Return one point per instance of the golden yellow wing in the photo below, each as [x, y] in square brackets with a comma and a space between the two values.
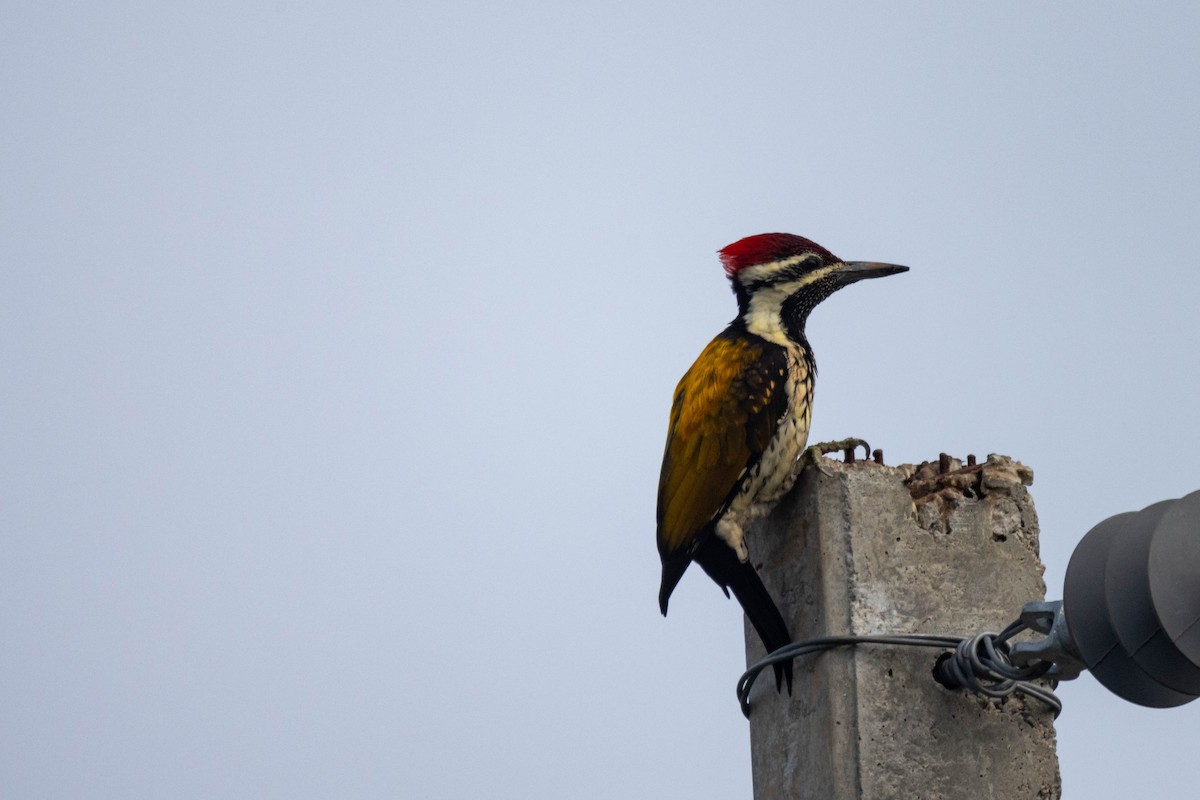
[725, 412]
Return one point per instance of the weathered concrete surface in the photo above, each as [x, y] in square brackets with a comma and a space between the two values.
[860, 549]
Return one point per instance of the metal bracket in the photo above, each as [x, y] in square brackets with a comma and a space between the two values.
[1046, 616]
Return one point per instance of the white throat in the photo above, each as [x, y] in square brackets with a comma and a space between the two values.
[764, 317]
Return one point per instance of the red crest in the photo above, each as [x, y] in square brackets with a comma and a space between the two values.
[763, 248]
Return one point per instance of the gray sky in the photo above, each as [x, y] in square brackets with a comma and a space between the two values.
[338, 344]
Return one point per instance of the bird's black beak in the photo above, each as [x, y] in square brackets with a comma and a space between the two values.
[852, 271]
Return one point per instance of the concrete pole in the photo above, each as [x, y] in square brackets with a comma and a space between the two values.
[862, 548]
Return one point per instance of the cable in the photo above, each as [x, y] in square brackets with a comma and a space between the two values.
[979, 663]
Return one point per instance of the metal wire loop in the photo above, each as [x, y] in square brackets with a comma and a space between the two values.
[979, 663]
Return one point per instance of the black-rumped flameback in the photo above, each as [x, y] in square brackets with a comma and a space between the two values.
[740, 420]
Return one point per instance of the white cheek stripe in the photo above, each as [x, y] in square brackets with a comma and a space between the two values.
[763, 271]
[816, 275]
[765, 316]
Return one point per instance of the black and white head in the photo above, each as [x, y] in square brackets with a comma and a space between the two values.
[780, 277]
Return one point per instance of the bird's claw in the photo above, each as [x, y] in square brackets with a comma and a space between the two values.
[813, 454]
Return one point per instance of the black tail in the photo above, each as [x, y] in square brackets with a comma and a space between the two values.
[722, 565]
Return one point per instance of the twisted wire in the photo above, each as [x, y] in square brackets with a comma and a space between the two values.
[978, 663]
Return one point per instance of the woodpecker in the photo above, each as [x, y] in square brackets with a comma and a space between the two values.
[740, 419]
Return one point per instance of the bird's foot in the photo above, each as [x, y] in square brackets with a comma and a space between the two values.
[813, 454]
